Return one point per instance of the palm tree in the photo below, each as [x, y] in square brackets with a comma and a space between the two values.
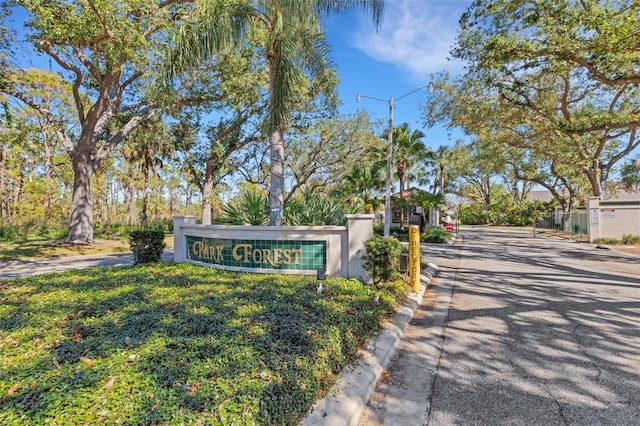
[630, 174]
[409, 150]
[428, 202]
[296, 53]
[363, 187]
[441, 157]
[149, 144]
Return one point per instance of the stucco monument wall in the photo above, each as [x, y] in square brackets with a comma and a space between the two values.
[306, 250]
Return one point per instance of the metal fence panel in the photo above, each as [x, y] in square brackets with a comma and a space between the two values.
[577, 222]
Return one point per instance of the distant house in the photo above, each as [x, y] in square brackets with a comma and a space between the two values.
[397, 214]
[621, 194]
[544, 196]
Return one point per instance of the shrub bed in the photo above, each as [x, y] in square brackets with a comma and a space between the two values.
[435, 234]
[178, 344]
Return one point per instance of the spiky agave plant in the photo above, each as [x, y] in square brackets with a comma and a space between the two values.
[312, 209]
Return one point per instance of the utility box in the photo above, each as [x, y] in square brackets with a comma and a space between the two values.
[415, 219]
[403, 262]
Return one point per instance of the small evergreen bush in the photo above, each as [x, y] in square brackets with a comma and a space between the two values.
[474, 214]
[435, 234]
[381, 258]
[147, 245]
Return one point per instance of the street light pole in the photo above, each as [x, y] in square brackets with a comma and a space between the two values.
[387, 195]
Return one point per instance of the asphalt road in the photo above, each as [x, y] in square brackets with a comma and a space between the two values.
[516, 330]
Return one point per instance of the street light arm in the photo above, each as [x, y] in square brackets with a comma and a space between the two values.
[369, 97]
[428, 86]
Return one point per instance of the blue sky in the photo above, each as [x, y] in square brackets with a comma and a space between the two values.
[411, 46]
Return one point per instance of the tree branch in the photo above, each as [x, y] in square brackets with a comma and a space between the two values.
[45, 45]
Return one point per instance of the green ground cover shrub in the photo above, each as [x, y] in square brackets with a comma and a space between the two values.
[435, 234]
[630, 239]
[474, 214]
[178, 344]
[606, 241]
[31, 229]
[626, 239]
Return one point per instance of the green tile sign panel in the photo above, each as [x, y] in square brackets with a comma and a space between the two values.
[258, 254]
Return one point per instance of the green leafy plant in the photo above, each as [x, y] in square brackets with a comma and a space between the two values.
[381, 258]
[630, 239]
[251, 207]
[626, 239]
[312, 210]
[435, 234]
[606, 240]
[475, 214]
[169, 343]
[147, 245]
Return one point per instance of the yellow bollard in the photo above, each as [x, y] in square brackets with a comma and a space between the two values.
[414, 257]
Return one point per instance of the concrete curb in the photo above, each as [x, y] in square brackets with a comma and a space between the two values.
[348, 397]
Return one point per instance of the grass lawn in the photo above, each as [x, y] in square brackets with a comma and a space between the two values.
[41, 247]
[177, 344]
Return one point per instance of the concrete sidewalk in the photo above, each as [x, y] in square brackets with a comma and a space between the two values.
[25, 268]
[347, 400]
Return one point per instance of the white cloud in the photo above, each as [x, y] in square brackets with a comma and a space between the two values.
[416, 36]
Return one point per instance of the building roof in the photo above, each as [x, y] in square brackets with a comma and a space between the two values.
[408, 192]
[621, 194]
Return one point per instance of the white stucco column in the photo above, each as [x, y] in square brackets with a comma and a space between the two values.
[360, 229]
[593, 218]
[179, 242]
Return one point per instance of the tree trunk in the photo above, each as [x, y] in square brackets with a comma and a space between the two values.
[131, 204]
[187, 199]
[276, 183]
[48, 173]
[144, 217]
[401, 179]
[172, 202]
[4, 199]
[567, 208]
[104, 205]
[594, 180]
[206, 202]
[15, 197]
[207, 188]
[114, 202]
[81, 224]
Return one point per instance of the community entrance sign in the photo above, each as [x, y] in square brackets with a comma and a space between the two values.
[258, 254]
[301, 250]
